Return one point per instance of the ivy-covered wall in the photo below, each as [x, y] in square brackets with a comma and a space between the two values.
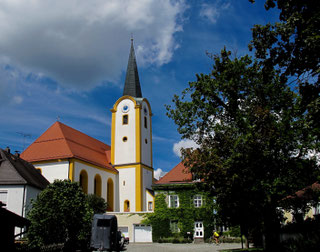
[186, 214]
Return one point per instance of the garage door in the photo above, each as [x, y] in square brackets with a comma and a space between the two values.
[142, 233]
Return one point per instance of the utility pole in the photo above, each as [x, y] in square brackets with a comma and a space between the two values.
[24, 135]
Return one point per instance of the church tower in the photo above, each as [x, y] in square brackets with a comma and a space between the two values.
[131, 142]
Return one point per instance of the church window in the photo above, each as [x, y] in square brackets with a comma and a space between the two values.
[145, 122]
[173, 201]
[126, 206]
[124, 182]
[146, 140]
[110, 195]
[83, 181]
[97, 185]
[125, 119]
[125, 139]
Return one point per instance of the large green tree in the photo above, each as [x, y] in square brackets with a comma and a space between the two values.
[253, 143]
[60, 214]
[293, 45]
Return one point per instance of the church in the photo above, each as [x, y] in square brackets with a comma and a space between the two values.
[121, 173]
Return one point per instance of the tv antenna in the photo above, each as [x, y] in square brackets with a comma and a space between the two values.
[24, 135]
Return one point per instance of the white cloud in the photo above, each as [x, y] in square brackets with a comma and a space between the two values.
[159, 173]
[186, 143]
[80, 43]
[211, 12]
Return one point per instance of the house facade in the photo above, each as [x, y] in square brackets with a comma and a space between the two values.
[183, 207]
[20, 182]
[121, 173]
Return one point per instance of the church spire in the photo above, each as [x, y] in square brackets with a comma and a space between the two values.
[132, 84]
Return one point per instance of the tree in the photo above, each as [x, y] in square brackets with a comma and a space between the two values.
[60, 214]
[253, 141]
[293, 46]
[96, 203]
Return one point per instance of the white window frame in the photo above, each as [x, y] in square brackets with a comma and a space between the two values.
[150, 203]
[197, 201]
[4, 197]
[174, 226]
[176, 201]
[316, 209]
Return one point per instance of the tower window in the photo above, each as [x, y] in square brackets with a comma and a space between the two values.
[146, 140]
[125, 139]
[125, 119]
[145, 122]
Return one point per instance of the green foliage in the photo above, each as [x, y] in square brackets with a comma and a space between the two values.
[96, 203]
[253, 139]
[186, 214]
[293, 45]
[233, 232]
[60, 214]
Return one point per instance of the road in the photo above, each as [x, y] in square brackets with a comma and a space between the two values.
[169, 247]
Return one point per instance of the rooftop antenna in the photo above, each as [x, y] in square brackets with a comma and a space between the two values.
[24, 135]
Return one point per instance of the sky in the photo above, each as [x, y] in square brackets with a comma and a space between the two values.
[66, 60]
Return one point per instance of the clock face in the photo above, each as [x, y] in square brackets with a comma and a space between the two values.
[125, 108]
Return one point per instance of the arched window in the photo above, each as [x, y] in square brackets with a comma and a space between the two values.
[126, 206]
[110, 195]
[83, 181]
[97, 185]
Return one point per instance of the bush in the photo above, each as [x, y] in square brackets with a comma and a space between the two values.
[60, 215]
[96, 203]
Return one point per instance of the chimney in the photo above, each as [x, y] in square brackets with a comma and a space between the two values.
[7, 149]
[17, 153]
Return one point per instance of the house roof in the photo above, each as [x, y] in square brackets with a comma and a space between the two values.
[16, 171]
[61, 141]
[307, 192]
[179, 174]
[132, 83]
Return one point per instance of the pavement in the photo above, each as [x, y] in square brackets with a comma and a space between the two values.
[188, 247]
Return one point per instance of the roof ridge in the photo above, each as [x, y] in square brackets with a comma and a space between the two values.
[85, 146]
[65, 139]
[7, 157]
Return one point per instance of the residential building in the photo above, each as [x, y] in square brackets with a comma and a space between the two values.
[20, 182]
[187, 205]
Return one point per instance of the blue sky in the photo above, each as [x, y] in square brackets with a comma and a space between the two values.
[67, 59]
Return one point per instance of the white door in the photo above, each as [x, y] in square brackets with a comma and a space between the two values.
[198, 229]
[142, 233]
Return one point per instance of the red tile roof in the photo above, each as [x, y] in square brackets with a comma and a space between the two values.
[179, 174]
[61, 141]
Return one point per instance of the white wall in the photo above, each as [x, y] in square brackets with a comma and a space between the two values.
[127, 191]
[125, 152]
[105, 175]
[19, 198]
[147, 182]
[54, 170]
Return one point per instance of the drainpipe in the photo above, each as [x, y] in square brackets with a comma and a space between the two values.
[23, 202]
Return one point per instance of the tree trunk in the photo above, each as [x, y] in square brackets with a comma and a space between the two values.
[271, 229]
